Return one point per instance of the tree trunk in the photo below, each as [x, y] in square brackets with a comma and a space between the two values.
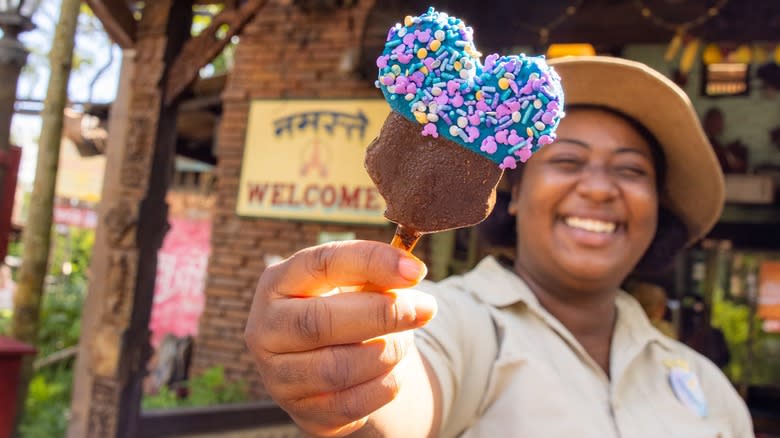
[37, 232]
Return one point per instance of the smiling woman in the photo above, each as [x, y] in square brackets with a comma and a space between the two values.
[548, 346]
[670, 235]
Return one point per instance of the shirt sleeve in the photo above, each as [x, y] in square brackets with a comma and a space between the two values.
[461, 346]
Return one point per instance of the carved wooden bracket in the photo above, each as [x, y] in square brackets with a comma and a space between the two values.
[117, 19]
[201, 50]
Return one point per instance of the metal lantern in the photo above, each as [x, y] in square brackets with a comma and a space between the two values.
[15, 16]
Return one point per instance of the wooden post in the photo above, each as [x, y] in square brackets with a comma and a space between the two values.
[114, 346]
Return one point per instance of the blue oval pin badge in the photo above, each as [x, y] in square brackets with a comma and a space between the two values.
[686, 387]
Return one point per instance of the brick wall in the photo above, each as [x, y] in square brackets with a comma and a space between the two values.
[282, 53]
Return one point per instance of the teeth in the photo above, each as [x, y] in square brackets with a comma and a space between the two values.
[592, 225]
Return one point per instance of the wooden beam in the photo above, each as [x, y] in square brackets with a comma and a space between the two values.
[114, 348]
[98, 288]
[201, 50]
[117, 19]
[212, 419]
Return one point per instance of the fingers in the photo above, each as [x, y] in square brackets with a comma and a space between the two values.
[332, 359]
[319, 269]
[305, 324]
[331, 414]
[327, 370]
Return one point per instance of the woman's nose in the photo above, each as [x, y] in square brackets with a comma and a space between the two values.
[597, 184]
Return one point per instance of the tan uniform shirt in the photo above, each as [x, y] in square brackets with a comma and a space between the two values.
[508, 368]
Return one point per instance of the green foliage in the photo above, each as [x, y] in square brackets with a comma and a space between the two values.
[72, 247]
[15, 248]
[202, 17]
[734, 320]
[5, 322]
[46, 414]
[754, 352]
[48, 400]
[222, 63]
[207, 389]
[61, 315]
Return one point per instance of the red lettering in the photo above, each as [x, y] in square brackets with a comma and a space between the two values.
[350, 200]
[310, 195]
[328, 196]
[276, 196]
[346, 197]
[294, 201]
[257, 192]
[371, 199]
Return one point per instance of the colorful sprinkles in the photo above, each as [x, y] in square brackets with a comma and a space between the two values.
[430, 72]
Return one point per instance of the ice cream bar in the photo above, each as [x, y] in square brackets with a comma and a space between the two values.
[455, 123]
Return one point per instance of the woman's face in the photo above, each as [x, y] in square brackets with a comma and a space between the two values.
[587, 205]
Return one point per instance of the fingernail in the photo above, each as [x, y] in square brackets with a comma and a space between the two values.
[425, 307]
[411, 269]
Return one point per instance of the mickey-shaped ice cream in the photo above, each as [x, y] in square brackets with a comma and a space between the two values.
[455, 124]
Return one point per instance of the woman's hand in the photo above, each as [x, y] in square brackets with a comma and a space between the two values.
[330, 357]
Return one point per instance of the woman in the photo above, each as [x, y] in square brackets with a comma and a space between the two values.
[549, 347]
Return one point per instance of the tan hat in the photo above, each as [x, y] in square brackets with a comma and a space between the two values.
[694, 186]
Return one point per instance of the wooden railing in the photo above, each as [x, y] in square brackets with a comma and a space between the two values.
[168, 423]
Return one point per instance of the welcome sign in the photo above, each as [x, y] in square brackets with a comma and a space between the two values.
[303, 159]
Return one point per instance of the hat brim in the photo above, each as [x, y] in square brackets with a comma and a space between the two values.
[694, 187]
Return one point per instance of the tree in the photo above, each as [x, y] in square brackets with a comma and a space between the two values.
[37, 233]
[85, 56]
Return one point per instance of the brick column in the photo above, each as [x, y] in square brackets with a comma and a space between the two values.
[284, 53]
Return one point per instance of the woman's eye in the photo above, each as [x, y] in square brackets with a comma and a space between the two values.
[631, 171]
[567, 163]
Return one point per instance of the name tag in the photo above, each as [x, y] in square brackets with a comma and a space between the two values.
[686, 387]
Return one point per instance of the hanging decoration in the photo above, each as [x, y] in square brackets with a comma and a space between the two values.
[712, 54]
[742, 55]
[683, 26]
[545, 30]
[689, 56]
[680, 29]
[674, 46]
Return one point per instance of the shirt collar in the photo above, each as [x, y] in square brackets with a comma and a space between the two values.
[501, 287]
[633, 317]
[498, 286]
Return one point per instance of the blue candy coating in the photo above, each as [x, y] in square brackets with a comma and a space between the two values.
[505, 109]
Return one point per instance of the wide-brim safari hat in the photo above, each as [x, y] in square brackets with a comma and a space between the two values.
[694, 188]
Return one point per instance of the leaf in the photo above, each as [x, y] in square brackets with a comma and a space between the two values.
[207, 389]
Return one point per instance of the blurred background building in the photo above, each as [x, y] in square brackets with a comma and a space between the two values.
[232, 134]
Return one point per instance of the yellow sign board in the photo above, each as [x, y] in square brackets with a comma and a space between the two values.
[79, 177]
[303, 159]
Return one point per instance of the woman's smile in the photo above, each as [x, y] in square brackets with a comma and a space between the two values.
[590, 224]
[589, 231]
